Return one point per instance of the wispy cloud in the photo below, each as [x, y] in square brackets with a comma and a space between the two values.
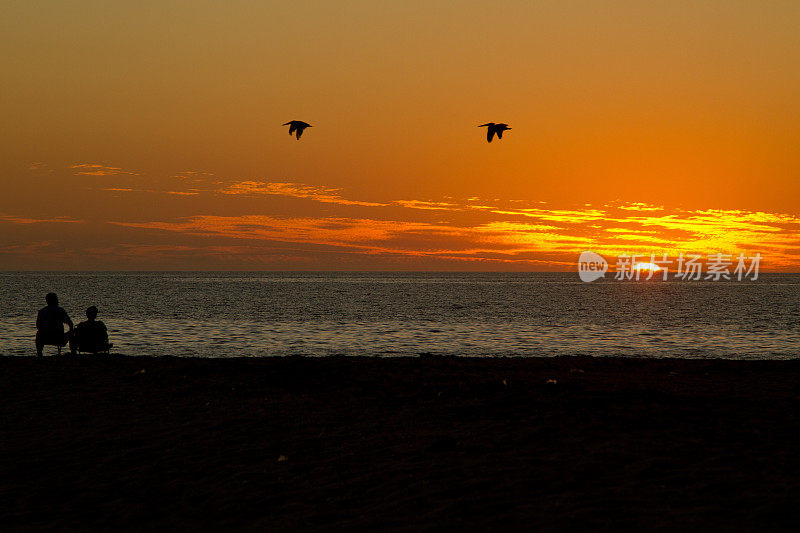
[636, 206]
[334, 231]
[94, 169]
[193, 175]
[569, 216]
[295, 190]
[422, 204]
[40, 167]
[557, 234]
[447, 228]
[27, 248]
[12, 219]
[184, 193]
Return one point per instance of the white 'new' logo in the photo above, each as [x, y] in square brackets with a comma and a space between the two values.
[591, 266]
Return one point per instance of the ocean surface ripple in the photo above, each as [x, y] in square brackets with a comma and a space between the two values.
[221, 314]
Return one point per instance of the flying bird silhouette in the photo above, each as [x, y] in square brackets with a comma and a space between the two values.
[494, 129]
[297, 127]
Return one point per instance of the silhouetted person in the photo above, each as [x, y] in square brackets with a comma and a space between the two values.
[92, 335]
[297, 127]
[50, 326]
[494, 129]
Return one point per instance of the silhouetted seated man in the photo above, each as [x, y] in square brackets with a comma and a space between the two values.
[50, 326]
[92, 335]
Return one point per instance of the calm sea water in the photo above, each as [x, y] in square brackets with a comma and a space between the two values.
[355, 313]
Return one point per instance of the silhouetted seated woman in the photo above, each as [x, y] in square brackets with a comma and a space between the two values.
[92, 335]
[50, 326]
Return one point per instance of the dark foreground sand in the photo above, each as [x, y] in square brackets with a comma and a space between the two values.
[402, 444]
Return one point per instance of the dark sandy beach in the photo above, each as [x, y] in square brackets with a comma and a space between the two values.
[398, 444]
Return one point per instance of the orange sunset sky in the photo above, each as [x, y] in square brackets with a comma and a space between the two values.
[147, 135]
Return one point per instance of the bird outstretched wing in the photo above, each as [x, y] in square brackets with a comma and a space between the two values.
[490, 133]
[499, 134]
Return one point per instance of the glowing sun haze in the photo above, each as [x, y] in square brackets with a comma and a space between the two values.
[148, 135]
[646, 266]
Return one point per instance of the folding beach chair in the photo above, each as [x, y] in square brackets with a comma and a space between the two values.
[57, 345]
[89, 340]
